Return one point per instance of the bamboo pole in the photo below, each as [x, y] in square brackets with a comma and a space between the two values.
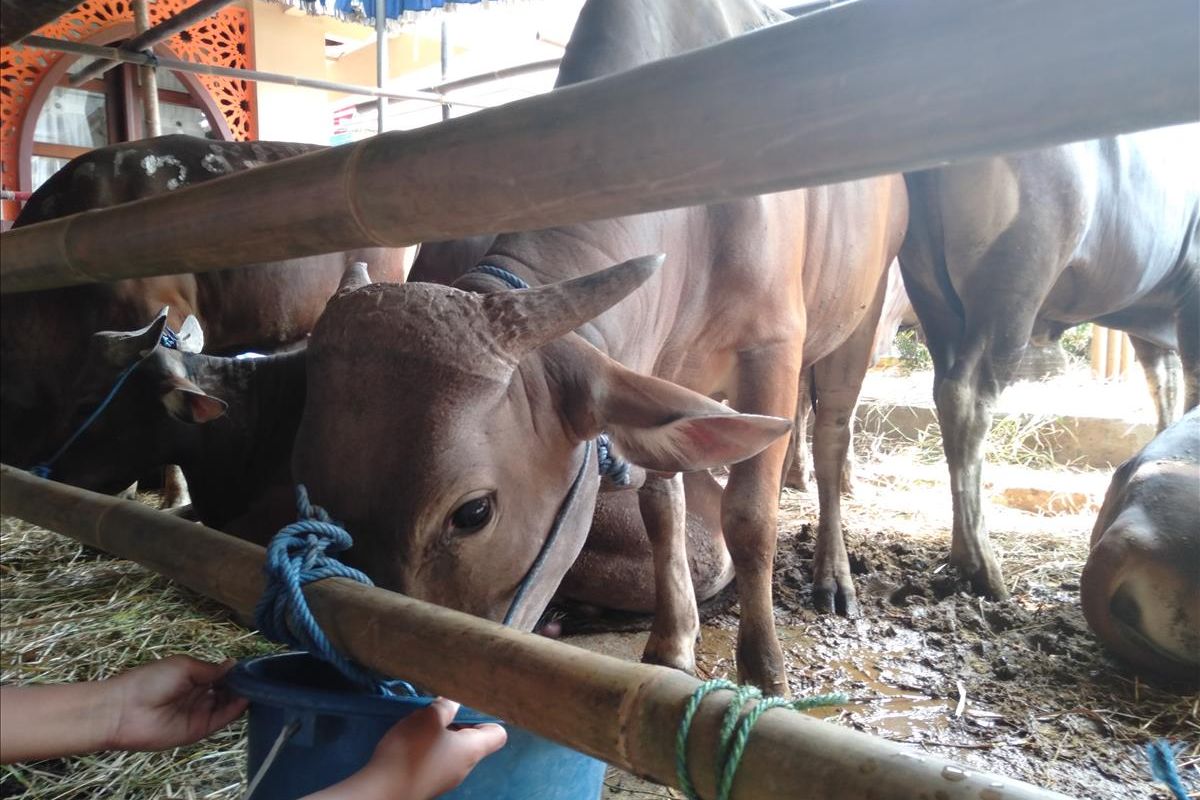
[861, 88]
[621, 712]
[145, 40]
[147, 76]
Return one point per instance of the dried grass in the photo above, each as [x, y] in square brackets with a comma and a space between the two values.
[73, 614]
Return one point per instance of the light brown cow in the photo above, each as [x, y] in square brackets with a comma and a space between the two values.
[449, 426]
[1141, 585]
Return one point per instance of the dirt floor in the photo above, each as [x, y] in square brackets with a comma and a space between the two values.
[1019, 687]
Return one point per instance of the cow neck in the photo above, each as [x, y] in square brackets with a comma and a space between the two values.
[233, 459]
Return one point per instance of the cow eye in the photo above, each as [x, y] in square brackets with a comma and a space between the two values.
[472, 515]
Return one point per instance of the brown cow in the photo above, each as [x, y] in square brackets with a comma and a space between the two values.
[448, 426]
[1007, 249]
[44, 335]
[1140, 588]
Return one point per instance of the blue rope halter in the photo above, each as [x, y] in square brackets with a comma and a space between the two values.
[45, 469]
[611, 465]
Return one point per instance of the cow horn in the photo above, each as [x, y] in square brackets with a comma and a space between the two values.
[525, 319]
[355, 277]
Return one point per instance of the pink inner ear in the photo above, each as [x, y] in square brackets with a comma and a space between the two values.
[204, 408]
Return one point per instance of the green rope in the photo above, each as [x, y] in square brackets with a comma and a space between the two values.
[735, 729]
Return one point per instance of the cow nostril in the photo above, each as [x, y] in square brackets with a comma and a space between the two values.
[1125, 608]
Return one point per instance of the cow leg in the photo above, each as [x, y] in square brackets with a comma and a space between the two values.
[833, 588]
[837, 381]
[767, 384]
[676, 625]
[1160, 378]
[798, 474]
[175, 489]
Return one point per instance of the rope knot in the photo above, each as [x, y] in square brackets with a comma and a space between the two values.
[301, 553]
[735, 729]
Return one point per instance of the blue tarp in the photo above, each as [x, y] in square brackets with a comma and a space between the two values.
[393, 8]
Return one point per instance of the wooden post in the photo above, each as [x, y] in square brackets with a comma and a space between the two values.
[1099, 351]
[151, 121]
[1126, 356]
[861, 88]
[621, 712]
[164, 30]
[1112, 365]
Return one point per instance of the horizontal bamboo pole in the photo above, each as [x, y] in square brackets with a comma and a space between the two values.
[861, 88]
[621, 712]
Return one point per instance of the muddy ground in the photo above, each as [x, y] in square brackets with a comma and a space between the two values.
[1041, 701]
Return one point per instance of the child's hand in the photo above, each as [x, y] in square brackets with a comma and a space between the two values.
[168, 703]
[420, 757]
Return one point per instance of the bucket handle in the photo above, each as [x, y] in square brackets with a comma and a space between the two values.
[285, 733]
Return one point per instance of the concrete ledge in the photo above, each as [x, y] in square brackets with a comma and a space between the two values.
[1098, 442]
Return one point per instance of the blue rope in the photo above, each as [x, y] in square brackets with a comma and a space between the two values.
[612, 466]
[45, 468]
[735, 729]
[302, 553]
[551, 537]
[515, 281]
[1162, 766]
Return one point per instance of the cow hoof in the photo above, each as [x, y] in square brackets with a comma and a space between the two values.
[986, 581]
[836, 600]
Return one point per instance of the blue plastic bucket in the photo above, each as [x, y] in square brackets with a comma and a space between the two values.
[340, 724]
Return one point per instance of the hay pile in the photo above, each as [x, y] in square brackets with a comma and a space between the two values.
[73, 614]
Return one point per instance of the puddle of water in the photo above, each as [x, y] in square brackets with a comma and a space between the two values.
[880, 682]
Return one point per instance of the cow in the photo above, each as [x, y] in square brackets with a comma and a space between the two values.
[1140, 588]
[1008, 249]
[228, 422]
[449, 427]
[44, 335]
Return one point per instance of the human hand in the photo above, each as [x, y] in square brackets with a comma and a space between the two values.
[168, 703]
[420, 757]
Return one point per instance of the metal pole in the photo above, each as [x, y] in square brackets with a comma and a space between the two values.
[119, 54]
[381, 58]
[159, 33]
[151, 121]
[445, 64]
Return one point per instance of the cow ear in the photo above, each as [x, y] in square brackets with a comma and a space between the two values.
[664, 427]
[187, 402]
[191, 336]
[122, 348]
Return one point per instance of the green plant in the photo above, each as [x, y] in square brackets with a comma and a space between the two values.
[1077, 342]
[913, 354]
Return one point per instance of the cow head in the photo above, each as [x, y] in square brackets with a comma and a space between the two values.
[146, 420]
[446, 428]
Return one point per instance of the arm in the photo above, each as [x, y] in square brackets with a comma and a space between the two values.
[48, 721]
[159, 705]
[419, 758]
